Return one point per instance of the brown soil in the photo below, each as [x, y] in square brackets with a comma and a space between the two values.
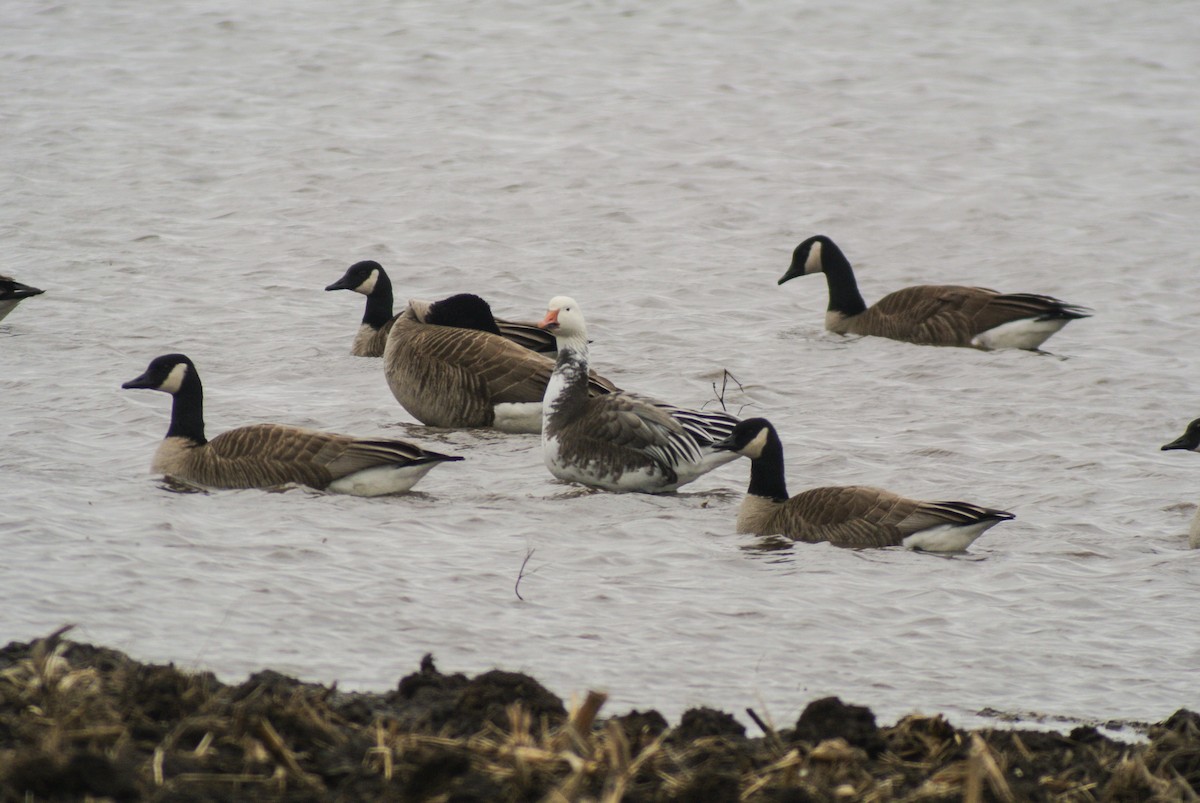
[82, 722]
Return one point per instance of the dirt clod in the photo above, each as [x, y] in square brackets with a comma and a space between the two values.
[79, 722]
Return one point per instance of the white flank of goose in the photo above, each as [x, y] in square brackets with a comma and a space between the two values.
[932, 315]
[270, 455]
[467, 375]
[13, 293]
[370, 279]
[620, 441]
[848, 516]
[1190, 441]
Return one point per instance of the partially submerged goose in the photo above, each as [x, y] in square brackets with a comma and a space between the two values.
[620, 441]
[467, 377]
[12, 293]
[933, 315]
[370, 279]
[268, 455]
[1189, 440]
[849, 516]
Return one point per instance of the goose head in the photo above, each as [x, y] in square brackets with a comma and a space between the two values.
[811, 256]
[750, 438]
[1189, 440]
[464, 311]
[564, 318]
[167, 373]
[361, 277]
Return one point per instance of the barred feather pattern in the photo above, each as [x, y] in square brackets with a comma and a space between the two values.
[950, 315]
[267, 455]
[856, 516]
[449, 377]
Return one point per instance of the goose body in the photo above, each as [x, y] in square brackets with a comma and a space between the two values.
[934, 315]
[847, 516]
[12, 293]
[269, 455]
[1190, 441]
[371, 280]
[621, 441]
[467, 377]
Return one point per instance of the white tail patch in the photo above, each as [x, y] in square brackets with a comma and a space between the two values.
[380, 480]
[1027, 333]
[813, 264]
[948, 537]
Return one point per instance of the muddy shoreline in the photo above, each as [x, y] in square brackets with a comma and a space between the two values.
[79, 721]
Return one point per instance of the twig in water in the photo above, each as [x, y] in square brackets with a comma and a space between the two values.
[720, 394]
[521, 573]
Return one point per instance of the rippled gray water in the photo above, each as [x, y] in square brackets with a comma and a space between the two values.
[188, 179]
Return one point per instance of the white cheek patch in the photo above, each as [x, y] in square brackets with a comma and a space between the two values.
[368, 285]
[174, 380]
[813, 263]
[754, 448]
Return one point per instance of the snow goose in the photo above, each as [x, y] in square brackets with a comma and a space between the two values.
[370, 279]
[269, 455]
[467, 377]
[932, 315]
[849, 516]
[1189, 440]
[620, 441]
[12, 293]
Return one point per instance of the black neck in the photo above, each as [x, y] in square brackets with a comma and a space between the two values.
[766, 472]
[843, 289]
[379, 303]
[187, 410]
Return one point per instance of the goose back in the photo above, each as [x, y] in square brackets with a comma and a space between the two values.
[449, 377]
[951, 315]
[861, 516]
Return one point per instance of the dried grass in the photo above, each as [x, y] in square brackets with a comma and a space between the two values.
[82, 721]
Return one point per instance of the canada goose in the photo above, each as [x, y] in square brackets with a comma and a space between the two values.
[620, 441]
[1189, 440]
[933, 315]
[454, 377]
[11, 294]
[850, 515]
[267, 455]
[370, 279]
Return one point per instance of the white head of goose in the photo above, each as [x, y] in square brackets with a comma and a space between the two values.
[1190, 441]
[620, 441]
[269, 455]
[370, 279]
[849, 516]
[448, 367]
[12, 293]
[932, 315]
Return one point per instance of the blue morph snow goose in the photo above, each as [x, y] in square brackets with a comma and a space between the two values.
[931, 314]
[621, 441]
